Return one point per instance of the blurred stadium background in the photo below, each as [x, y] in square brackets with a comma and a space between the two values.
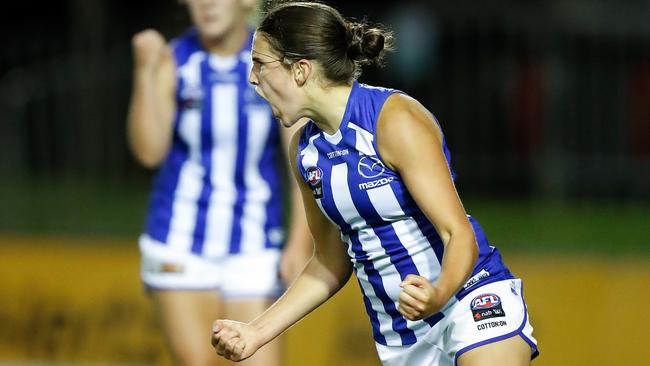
[546, 108]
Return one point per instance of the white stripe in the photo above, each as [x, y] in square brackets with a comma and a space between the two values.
[364, 140]
[342, 197]
[310, 154]
[258, 190]
[335, 138]
[224, 157]
[188, 188]
[223, 63]
[190, 72]
[184, 209]
[370, 244]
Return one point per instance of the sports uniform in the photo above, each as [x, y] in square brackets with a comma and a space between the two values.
[215, 213]
[389, 237]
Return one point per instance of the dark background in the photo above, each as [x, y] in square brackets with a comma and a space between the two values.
[545, 106]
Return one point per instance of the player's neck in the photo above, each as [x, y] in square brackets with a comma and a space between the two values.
[329, 107]
[228, 44]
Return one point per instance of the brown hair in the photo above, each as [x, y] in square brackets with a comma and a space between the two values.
[317, 31]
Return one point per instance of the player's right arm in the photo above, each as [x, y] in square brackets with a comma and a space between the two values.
[152, 106]
[325, 273]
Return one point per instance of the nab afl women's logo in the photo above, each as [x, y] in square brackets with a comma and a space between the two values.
[486, 306]
[314, 179]
[485, 301]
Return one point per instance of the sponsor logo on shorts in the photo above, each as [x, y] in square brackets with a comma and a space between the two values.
[477, 277]
[513, 288]
[314, 177]
[171, 268]
[488, 325]
[486, 306]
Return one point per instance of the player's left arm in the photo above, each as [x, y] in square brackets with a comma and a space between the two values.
[410, 143]
[299, 246]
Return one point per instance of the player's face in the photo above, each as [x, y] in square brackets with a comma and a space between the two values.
[214, 18]
[273, 81]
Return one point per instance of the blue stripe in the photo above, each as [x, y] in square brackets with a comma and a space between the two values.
[270, 166]
[162, 196]
[429, 231]
[206, 161]
[435, 318]
[374, 319]
[410, 208]
[240, 184]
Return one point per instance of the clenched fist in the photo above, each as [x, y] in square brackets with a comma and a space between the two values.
[419, 299]
[233, 340]
[149, 48]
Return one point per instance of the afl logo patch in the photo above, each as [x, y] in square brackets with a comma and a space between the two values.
[370, 167]
[486, 306]
[314, 177]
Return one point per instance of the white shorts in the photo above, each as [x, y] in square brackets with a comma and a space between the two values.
[238, 276]
[488, 314]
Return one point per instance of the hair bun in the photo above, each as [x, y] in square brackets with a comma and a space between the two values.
[364, 44]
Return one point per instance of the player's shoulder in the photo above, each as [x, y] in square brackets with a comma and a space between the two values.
[400, 109]
[188, 38]
[185, 44]
[371, 94]
[404, 117]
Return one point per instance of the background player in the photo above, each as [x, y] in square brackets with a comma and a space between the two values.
[213, 241]
[373, 163]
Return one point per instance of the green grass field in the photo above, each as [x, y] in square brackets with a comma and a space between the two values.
[516, 226]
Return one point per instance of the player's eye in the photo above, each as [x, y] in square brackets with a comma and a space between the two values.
[257, 65]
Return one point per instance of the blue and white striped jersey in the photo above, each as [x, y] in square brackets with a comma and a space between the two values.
[387, 235]
[218, 190]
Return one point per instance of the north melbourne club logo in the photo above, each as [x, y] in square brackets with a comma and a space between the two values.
[370, 167]
[314, 177]
[486, 306]
[191, 98]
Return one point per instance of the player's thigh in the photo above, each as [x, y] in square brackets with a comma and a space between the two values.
[187, 318]
[513, 351]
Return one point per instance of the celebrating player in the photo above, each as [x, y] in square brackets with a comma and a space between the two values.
[214, 237]
[378, 190]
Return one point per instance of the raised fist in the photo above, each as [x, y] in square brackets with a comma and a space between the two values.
[149, 48]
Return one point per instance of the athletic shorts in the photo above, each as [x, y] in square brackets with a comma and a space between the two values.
[490, 313]
[236, 276]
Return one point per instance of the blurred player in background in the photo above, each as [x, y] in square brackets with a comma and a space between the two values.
[214, 243]
[374, 171]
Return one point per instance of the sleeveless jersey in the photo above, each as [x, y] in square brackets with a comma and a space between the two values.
[217, 192]
[387, 235]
